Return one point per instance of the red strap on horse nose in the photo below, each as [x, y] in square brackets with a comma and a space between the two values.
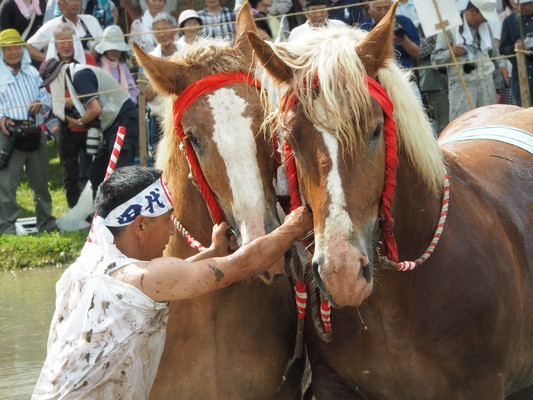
[186, 99]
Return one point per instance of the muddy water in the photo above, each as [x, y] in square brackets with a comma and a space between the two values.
[26, 307]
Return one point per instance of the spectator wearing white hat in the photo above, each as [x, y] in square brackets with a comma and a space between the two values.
[472, 42]
[191, 24]
[111, 56]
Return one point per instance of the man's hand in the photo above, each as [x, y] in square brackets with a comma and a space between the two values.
[223, 242]
[300, 221]
[3, 125]
[35, 107]
[458, 50]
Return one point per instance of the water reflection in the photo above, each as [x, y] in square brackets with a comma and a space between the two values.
[26, 307]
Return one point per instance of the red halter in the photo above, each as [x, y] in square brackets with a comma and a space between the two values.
[389, 247]
[186, 99]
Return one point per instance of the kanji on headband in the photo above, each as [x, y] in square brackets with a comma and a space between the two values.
[151, 202]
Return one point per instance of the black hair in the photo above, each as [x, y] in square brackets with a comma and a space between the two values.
[471, 5]
[263, 24]
[311, 3]
[123, 57]
[122, 185]
[253, 3]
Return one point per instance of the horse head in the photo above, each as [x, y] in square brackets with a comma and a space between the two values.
[223, 127]
[336, 119]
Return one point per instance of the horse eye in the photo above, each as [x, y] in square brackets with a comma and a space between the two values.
[189, 133]
[377, 132]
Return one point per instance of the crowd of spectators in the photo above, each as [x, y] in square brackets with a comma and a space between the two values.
[80, 48]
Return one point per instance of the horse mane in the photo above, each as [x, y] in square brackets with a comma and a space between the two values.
[205, 57]
[330, 55]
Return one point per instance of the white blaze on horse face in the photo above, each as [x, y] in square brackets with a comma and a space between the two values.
[338, 223]
[236, 145]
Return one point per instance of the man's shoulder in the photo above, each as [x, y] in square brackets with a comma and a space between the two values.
[46, 30]
[402, 19]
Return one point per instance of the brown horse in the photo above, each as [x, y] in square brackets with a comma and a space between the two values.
[235, 343]
[458, 326]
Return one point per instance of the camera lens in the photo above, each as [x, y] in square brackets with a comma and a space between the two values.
[93, 141]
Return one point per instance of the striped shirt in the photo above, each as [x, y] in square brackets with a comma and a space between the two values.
[225, 31]
[23, 91]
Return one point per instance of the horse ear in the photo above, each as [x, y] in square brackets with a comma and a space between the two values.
[245, 22]
[273, 64]
[164, 74]
[377, 47]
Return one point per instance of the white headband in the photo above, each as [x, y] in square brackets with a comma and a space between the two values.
[151, 202]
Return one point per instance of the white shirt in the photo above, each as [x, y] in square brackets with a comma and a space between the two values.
[301, 30]
[45, 34]
[106, 337]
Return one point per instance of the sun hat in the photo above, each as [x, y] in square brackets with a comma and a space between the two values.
[49, 70]
[11, 36]
[188, 14]
[113, 40]
[487, 8]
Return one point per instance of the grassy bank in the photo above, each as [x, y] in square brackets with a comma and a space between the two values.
[17, 251]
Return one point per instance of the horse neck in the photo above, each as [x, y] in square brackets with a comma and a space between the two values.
[189, 208]
[416, 210]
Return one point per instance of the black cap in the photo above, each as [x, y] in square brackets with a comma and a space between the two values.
[311, 3]
[49, 70]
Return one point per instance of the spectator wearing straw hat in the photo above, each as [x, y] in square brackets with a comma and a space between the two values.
[102, 103]
[112, 54]
[21, 99]
[511, 36]
[219, 20]
[473, 43]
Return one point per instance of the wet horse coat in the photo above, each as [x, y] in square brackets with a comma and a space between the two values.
[460, 326]
[236, 342]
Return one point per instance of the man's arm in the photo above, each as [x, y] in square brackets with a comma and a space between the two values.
[168, 278]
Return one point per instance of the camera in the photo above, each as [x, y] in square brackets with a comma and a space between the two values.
[469, 56]
[7, 144]
[528, 42]
[53, 127]
[399, 32]
[93, 141]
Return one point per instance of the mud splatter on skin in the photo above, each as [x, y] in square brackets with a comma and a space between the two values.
[142, 279]
[92, 304]
[218, 273]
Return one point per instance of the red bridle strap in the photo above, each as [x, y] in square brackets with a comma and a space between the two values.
[184, 101]
[389, 247]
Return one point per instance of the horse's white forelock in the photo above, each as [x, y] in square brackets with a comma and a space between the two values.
[330, 54]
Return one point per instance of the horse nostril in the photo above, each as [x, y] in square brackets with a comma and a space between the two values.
[367, 272]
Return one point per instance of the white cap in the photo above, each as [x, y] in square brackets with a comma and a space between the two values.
[487, 8]
[188, 14]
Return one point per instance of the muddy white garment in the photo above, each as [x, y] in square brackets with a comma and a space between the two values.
[106, 337]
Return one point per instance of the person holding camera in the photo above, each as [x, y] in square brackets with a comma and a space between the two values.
[472, 43]
[406, 37]
[511, 36]
[22, 143]
[102, 105]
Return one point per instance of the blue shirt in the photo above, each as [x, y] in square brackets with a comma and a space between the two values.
[410, 30]
[349, 15]
[22, 90]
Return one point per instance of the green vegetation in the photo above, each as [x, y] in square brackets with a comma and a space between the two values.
[42, 249]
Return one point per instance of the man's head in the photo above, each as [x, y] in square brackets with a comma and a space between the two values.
[316, 12]
[480, 11]
[378, 9]
[70, 8]
[12, 52]
[526, 7]
[63, 34]
[134, 201]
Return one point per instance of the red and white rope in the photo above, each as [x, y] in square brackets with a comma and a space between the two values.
[410, 265]
[325, 313]
[116, 151]
[301, 299]
[187, 236]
